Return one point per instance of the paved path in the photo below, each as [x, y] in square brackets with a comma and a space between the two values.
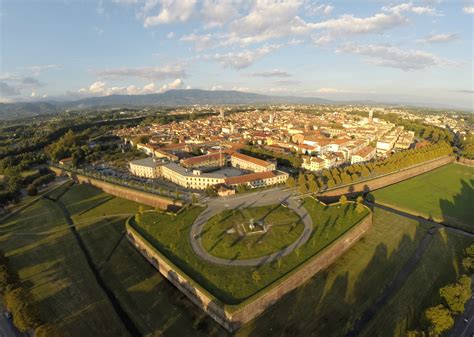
[7, 329]
[421, 220]
[264, 198]
[394, 286]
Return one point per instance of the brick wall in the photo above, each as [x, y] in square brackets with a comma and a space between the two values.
[124, 192]
[389, 179]
[232, 317]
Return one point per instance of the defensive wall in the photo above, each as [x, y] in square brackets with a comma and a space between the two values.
[465, 161]
[387, 179]
[232, 317]
[149, 199]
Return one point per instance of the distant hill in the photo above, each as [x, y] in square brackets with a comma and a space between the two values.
[169, 98]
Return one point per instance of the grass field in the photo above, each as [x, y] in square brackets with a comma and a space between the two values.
[445, 194]
[50, 264]
[332, 301]
[233, 284]
[284, 227]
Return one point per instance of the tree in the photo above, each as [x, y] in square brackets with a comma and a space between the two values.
[290, 182]
[456, 295]
[440, 319]
[343, 199]
[32, 189]
[194, 198]
[360, 199]
[140, 209]
[256, 276]
[48, 330]
[138, 218]
[313, 186]
[360, 208]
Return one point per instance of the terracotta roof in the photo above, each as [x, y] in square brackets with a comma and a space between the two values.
[249, 177]
[199, 159]
[365, 151]
[254, 160]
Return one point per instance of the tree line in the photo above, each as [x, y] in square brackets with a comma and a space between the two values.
[453, 297]
[20, 304]
[343, 175]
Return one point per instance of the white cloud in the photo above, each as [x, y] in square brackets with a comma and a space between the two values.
[200, 41]
[244, 58]
[390, 56]
[151, 73]
[321, 9]
[468, 9]
[100, 88]
[38, 69]
[439, 38]
[170, 35]
[272, 73]
[218, 12]
[170, 11]
[33, 94]
[217, 87]
[330, 91]
[409, 7]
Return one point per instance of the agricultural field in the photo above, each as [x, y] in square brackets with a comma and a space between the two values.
[445, 194]
[234, 284]
[222, 237]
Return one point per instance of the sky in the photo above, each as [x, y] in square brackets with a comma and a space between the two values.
[391, 51]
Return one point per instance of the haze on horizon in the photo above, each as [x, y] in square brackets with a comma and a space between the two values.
[396, 51]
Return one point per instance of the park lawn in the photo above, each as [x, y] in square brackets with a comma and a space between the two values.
[50, 264]
[445, 194]
[438, 266]
[331, 302]
[285, 226]
[156, 307]
[234, 284]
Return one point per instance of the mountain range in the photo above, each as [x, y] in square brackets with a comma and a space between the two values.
[169, 98]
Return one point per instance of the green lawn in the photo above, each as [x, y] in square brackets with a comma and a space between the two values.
[232, 284]
[332, 301]
[284, 227]
[439, 266]
[55, 271]
[445, 194]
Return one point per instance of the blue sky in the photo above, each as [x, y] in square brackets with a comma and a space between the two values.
[405, 51]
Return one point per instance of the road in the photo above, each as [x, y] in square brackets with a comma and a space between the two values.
[7, 329]
[461, 328]
[263, 198]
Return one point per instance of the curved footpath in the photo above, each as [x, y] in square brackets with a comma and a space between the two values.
[270, 197]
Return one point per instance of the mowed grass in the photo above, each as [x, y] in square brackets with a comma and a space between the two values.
[439, 265]
[445, 194]
[234, 284]
[331, 302]
[52, 267]
[156, 307]
[284, 227]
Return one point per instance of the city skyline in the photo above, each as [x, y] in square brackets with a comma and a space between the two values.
[397, 51]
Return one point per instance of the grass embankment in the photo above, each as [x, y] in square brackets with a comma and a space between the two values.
[284, 227]
[53, 268]
[232, 284]
[445, 194]
[335, 298]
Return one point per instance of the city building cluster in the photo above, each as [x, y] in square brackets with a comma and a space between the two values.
[222, 149]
